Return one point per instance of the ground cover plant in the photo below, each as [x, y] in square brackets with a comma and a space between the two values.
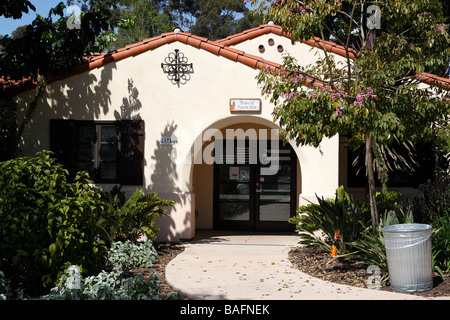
[117, 283]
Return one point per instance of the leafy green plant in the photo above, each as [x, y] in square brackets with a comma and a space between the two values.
[128, 219]
[386, 201]
[340, 221]
[372, 95]
[46, 222]
[441, 243]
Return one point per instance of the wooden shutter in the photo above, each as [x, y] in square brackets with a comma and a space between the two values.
[63, 142]
[131, 152]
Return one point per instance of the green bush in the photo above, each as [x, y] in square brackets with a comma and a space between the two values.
[432, 206]
[441, 243]
[386, 201]
[433, 200]
[4, 287]
[127, 219]
[46, 222]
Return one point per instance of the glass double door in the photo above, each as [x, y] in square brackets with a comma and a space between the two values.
[256, 196]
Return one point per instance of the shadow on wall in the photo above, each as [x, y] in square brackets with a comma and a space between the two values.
[130, 104]
[84, 96]
[164, 176]
[164, 180]
[8, 127]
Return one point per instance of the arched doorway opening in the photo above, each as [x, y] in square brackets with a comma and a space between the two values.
[253, 181]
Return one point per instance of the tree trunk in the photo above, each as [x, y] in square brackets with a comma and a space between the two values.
[371, 182]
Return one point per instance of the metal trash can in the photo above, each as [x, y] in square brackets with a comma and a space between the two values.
[408, 253]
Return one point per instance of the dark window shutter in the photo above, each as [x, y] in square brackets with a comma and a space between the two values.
[63, 143]
[131, 153]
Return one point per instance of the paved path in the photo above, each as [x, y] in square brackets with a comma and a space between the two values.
[250, 266]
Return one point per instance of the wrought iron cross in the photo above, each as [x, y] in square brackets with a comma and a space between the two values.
[177, 68]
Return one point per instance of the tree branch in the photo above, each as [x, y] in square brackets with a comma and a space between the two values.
[327, 58]
[349, 69]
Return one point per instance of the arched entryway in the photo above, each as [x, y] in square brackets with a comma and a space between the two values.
[252, 181]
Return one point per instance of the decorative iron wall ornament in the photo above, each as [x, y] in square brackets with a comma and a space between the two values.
[177, 68]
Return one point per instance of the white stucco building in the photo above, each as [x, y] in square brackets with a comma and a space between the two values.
[129, 119]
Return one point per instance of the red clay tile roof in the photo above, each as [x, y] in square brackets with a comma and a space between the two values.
[429, 78]
[220, 47]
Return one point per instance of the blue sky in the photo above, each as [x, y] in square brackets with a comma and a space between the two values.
[42, 7]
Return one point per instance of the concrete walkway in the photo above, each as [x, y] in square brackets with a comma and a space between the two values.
[254, 266]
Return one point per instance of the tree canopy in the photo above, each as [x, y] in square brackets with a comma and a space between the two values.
[214, 19]
[149, 18]
[48, 47]
[15, 9]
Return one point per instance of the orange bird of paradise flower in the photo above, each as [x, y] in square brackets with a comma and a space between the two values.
[333, 251]
[336, 236]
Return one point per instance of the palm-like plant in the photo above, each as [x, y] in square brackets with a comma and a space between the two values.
[329, 223]
[128, 219]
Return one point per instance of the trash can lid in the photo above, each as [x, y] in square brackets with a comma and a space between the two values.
[407, 227]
